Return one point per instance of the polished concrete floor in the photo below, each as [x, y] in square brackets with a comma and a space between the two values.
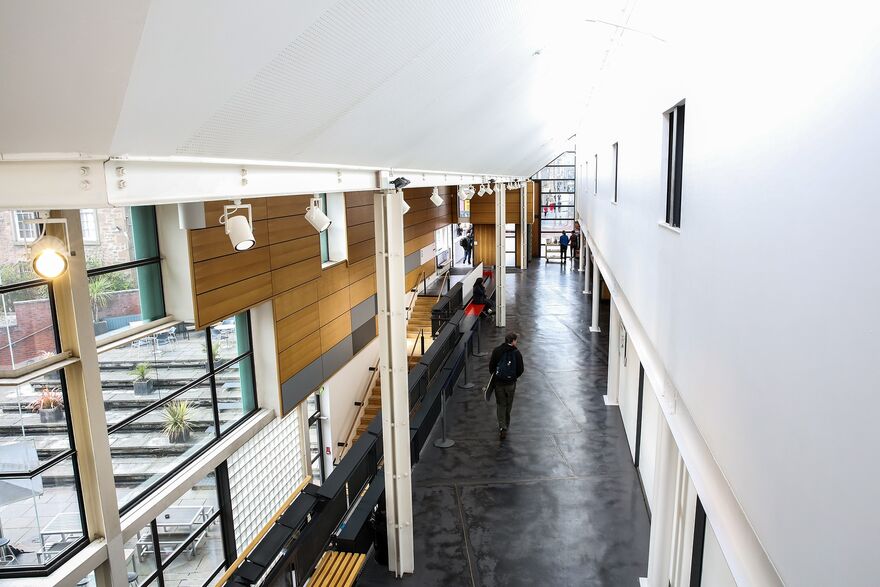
[556, 503]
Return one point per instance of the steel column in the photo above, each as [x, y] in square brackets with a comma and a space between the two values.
[595, 298]
[391, 289]
[500, 254]
[660, 541]
[523, 207]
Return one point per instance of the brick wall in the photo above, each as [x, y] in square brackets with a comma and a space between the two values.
[32, 336]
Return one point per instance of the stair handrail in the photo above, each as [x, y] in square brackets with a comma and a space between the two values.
[352, 430]
[421, 335]
[445, 278]
[414, 293]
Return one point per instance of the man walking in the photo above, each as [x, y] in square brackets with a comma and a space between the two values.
[506, 364]
[467, 243]
[563, 245]
[574, 242]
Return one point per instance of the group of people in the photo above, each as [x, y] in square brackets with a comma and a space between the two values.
[574, 242]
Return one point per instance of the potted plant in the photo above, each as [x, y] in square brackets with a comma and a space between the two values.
[50, 405]
[142, 385]
[100, 289]
[177, 421]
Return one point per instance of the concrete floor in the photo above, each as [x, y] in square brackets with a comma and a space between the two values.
[556, 503]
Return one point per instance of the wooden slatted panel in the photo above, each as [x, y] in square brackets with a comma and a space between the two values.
[288, 228]
[210, 243]
[287, 206]
[297, 326]
[362, 289]
[295, 299]
[335, 331]
[295, 358]
[361, 233]
[291, 276]
[333, 279]
[222, 302]
[361, 251]
[359, 562]
[354, 199]
[417, 243]
[359, 215]
[214, 273]
[329, 307]
[294, 251]
[361, 269]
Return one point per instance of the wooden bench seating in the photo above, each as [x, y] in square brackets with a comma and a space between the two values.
[338, 569]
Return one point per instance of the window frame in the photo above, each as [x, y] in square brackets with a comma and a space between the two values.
[674, 120]
[210, 377]
[90, 215]
[614, 152]
[19, 227]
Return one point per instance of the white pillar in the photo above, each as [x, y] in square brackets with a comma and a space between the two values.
[500, 254]
[523, 208]
[583, 241]
[613, 393]
[662, 514]
[586, 268]
[597, 294]
[388, 214]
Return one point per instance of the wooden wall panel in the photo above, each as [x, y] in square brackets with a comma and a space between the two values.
[291, 276]
[333, 279]
[222, 302]
[361, 251]
[359, 215]
[214, 273]
[293, 359]
[361, 269]
[210, 243]
[288, 228]
[354, 199]
[295, 299]
[484, 251]
[418, 242]
[214, 210]
[483, 208]
[361, 233]
[361, 289]
[297, 326]
[294, 251]
[335, 331]
[287, 206]
[332, 306]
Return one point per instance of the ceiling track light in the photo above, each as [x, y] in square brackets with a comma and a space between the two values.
[316, 217]
[50, 256]
[482, 191]
[239, 228]
[435, 197]
[466, 192]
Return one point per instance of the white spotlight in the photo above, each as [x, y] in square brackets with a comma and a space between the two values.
[49, 257]
[483, 190]
[435, 197]
[489, 189]
[239, 229]
[316, 217]
[404, 206]
[49, 254]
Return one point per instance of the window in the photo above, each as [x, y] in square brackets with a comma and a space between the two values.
[125, 277]
[557, 187]
[614, 154]
[41, 502]
[24, 232]
[334, 240]
[316, 438]
[170, 395]
[185, 543]
[89, 221]
[596, 175]
[674, 156]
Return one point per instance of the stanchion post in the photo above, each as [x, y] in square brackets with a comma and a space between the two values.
[443, 442]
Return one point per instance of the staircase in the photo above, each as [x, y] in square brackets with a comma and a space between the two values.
[420, 319]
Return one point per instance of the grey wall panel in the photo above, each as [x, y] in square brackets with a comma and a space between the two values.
[363, 312]
[336, 358]
[363, 335]
[412, 261]
[298, 387]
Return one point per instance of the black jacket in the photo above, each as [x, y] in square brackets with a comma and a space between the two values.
[479, 294]
[499, 352]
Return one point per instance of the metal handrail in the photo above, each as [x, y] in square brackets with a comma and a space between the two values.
[414, 292]
[421, 335]
[445, 277]
[352, 430]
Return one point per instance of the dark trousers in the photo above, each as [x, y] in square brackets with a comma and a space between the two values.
[504, 402]
[467, 255]
[564, 250]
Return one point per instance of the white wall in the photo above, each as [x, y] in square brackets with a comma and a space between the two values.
[629, 394]
[648, 449]
[346, 387]
[176, 264]
[763, 309]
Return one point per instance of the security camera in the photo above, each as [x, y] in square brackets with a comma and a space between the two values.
[400, 182]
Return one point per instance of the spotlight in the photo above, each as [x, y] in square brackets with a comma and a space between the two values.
[483, 190]
[316, 217]
[435, 197]
[404, 206]
[489, 189]
[49, 254]
[239, 229]
[468, 192]
[400, 182]
[49, 257]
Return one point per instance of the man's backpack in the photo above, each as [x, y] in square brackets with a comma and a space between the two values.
[506, 369]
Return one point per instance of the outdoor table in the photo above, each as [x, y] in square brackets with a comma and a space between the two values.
[175, 526]
[67, 526]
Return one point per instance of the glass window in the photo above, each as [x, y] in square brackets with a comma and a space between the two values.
[140, 554]
[27, 331]
[89, 221]
[325, 246]
[22, 231]
[334, 240]
[169, 395]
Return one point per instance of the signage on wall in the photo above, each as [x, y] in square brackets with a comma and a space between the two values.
[427, 253]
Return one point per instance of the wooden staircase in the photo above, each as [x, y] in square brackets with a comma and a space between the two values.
[419, 319]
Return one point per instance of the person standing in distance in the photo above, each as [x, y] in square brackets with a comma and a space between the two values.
[563, 245]
[506, 364]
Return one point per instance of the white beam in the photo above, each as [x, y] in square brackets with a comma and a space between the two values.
[595, 299]
[523, 225]
[500, 254]
[393, 369]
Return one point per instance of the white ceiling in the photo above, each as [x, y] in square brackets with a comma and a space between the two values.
[433, 84]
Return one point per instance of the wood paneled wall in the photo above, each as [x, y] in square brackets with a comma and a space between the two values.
[312, 305]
